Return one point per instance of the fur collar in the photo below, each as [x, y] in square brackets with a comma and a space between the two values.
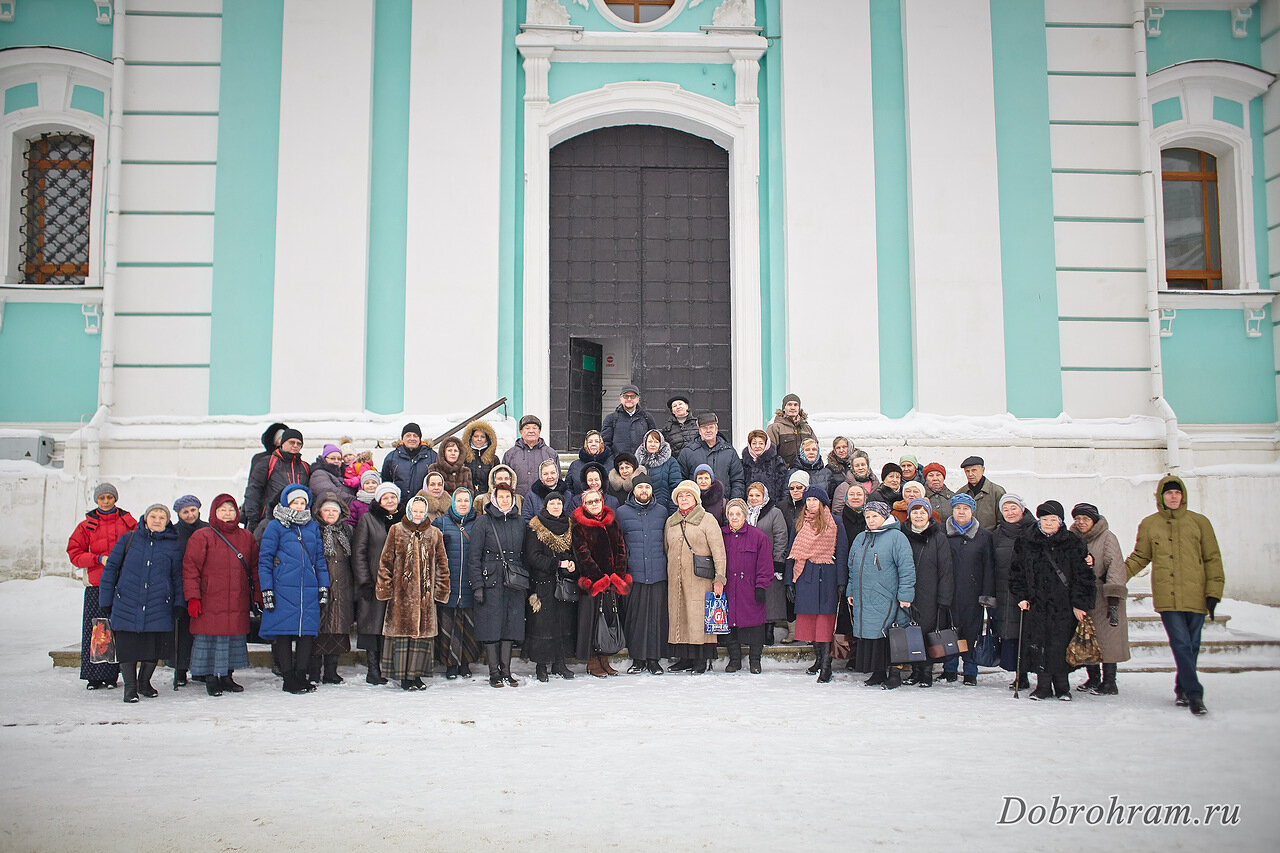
[559, 544]
[489, 453]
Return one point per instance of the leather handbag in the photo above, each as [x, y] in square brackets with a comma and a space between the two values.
[986, 649]
[567, 590]
[609, 636]
[906, 643]
[945, 642]
[1083, 650]
[514, 575]
[703, 565]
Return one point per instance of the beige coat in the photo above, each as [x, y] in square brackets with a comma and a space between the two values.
[413, 575]
[1108, 568]
[686, 592]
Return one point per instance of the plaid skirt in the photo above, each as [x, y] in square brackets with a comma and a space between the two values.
[108, 672]
[406, 657]
[218, 654]
[456, 637]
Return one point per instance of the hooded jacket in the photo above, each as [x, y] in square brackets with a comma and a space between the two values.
[291, 563]
[787, 435]
[480, 462]
[220, 571]
[457, 474]
[1180, 545]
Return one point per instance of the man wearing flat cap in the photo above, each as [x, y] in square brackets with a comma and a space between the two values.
[985, 493]
[625, 427]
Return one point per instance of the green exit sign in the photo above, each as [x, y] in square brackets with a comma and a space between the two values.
[589, 363]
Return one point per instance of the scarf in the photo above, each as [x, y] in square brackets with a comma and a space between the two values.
[811, 545]
[753, 515]
[755, 457]
[557, 526]
[653, 460]
[364, 497]
[963, 528]
[288, 517]
[335, 539]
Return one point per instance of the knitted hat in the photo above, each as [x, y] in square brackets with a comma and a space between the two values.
[625, 457]
[819, 493]
[629, 389]
[798, 477]
[1171, 486]
[962, 498]
[553, 495]
[687, 486]
[167, 516]
[329, 448]
[640, 478]
[921, 503]
[934, 466]
[1089, 511]
[890, 468]
[739, 503]
[1050, 508]
[327, 500]
[703, 467]
[185, 501]
[386, 489]
[411, 427]
[913, 485]
[290, 433]
[909, 458]
[371, 474]
[530, 419]
[790, 398]
[880, 508]
[1011, 498]
[286, 496]
[707, 418]
[972, 460]
[105, 489]
[347, 449]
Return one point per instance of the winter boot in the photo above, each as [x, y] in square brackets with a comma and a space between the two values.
[753, 657]
[926, 675]
[464, 669]
[129, 673]
[506, 665]
[605, 665]
[636, 668]
[331, 670]
[313, 669]
[229, 683]
[824, 669]
[451, 672]
[893, 679]
[594, 668]
[374, 665]
[701, 666]
[303, 682]
[914, 677]
[179, 678]
[1062, 687]
[407, 684]
[654, 667]
[1108, 685]
[1197, 705]
[144, 679]
[791, 633]
[1044, 688]
[735, 657]
[877, 678]
[558, 668]
[817, 661]
[950, 677]
[1093, 683]
[970, 680]
[495, 665]
[292, 685]
[213, 685]
[1020, 682]
[541, 672]
[681, 665]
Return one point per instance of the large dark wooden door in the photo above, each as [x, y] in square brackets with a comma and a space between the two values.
[586, 359]
[640, 250]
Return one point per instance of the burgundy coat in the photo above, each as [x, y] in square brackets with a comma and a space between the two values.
[600, 552]
[748, 566]
[213, 573]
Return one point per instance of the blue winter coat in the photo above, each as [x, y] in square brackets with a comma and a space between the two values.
[664, 472]
[291, 564]
[724, 462]
[882, 572]
[143, 587]
[407, 472]
[623, 433]
[818, 589]
[642, 530]
[457, 547]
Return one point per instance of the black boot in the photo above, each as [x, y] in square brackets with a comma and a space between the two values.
[701, 666]
[228, 683]
[558, 668]
[817, 661]
[1062, 687]
[753, 659]
[1020, 682]
[877, 678]
[654, 667]
[914, 677]
[373, 664]
[144, 679]
[495, 665]
[1093, 683]
[304, 683]
[893, 679]
[681, 665]
[505, 650]
[735, 657]
[926, 675]
[213, 686]
[637, 667]
[331, 670]
[129, 673]
[824, 662]
[179, 678]
[540, 671]
[464, 670]
[1044, 688]
[451, 672]
[407, 684]
[1108, 685]
[313, 669]
[1197, 705]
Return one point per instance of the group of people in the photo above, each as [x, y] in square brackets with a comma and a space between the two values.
[444, 557]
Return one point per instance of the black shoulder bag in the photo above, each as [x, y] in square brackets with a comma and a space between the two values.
[703, 564]
[514, 576]
[255, 614]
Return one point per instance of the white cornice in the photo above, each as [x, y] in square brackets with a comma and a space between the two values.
[1226, 78]
[642, 47]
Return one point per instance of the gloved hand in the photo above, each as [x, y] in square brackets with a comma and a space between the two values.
[1113, 614]
[759, 595]
[1211, 604]
[535, 603]
[324, 595]
[268, 599]
[599, 586]
[478, 594]
[193, 608]
[791, 593]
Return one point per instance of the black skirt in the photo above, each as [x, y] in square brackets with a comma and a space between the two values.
[871, 655]
[549, 632]
[134, 646]
[589, 609]
[693, 651]
[647, 621]
[108, 672]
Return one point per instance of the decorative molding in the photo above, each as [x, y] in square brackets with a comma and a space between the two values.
[1252, 302]
[657, 23]
[734, 13]
[1204, 5]
[1240, 21]
[8, 9]
[1253, 318]
[1154, 14]
[701, 48]
[546, 12]
[537, 73]
[1167, 316]
[104, 12]
[92, 317]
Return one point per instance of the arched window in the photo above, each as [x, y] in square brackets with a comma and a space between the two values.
[640, 11]
[1192, 237]
[57, 180]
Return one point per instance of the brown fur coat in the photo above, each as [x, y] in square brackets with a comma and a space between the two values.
[413, 575]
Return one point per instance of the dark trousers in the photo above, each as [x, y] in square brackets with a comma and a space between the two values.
[1184, 630]
[182, 640]
[286, 659]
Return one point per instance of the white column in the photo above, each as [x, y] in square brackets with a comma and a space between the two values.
[829, 151]
[535, 280]
[455, 168]
[744, 231]
[322, 207]
[957, 295]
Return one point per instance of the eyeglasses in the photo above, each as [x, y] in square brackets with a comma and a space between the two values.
[796, 488]
[590, 501]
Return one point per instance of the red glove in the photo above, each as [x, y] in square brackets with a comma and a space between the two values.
[585, 583]
[600, 585]
[621, 584]
[193, 608]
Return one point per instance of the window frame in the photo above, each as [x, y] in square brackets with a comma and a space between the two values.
[677, 6]
[1202, 177]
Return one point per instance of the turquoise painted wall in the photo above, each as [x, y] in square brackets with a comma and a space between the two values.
[72, 24]
[893, 232]
[572, 78]
[1187, 34]
[388, 208]
[1213, 374]
[47, 340]
[1033, 358]
[1260, 218]
[773, 261]
[511, 216]
[687, 21]
[244, 222]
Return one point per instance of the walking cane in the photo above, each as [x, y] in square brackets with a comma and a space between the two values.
[1017, 668]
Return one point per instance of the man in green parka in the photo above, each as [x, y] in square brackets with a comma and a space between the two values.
[1186, 580]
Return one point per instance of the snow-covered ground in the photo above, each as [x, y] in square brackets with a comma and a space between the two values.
[679, 762]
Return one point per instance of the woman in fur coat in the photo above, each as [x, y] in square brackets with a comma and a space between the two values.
[451, 465]
[600, 555]
[1108, 611]
[413, 574]
[548, 554]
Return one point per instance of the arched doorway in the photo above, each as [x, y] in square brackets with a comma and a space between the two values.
[640, 291]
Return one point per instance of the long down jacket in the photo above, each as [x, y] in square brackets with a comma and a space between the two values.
[935, 575]
[291, 564]
[1108, 569]
[882, 573]
[1050, 623]
[213, 573]
[495, 535]
[748, 566]
[366, 547]
[457, 548]
[413, 575]
[143, 586]
[95, 537]
[973, 556]
[1180, 545]
[686, 592]
[642, 528]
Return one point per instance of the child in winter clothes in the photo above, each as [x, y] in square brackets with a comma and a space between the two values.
[369, 482]
[355, 464]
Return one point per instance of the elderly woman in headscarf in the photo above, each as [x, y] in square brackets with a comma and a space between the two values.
[548, 554]
[438, 498]
[763, 513]
[881, 587]
[661, 466]
[456, 644]
[691, 532]
[1108, 611]
[371, 536]
[336, 617]
[815, 576]
[413, 574]
[748, 572]
[1012, 525]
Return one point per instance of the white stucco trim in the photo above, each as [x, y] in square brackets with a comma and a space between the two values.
[657, 23]
[734, 128]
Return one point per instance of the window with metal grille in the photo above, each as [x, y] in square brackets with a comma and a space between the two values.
[1192, 242]
[54, 221]
[640, 11]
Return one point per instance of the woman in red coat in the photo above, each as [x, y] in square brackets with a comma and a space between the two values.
[601, 558]
[88, 547]
[217, 581]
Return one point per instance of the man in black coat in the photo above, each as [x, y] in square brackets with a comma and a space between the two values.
[407, 464]
[283, 467]
[624, 428]
[712, 449]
